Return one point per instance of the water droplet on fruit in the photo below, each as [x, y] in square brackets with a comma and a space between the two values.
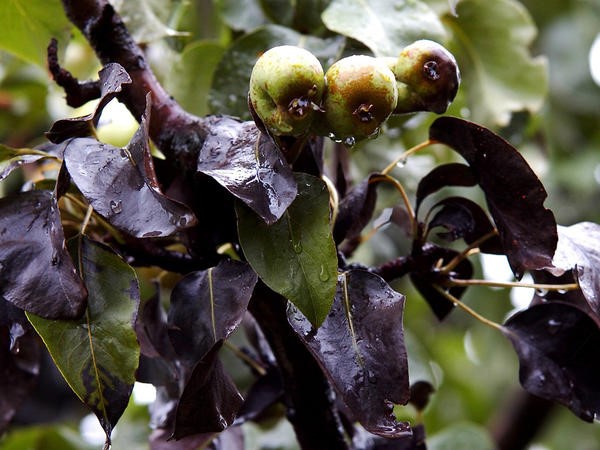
[431, 71]
[116, 206]
[350, 141]
[323, 275]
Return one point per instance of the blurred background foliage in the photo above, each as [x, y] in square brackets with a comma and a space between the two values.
[527, 73]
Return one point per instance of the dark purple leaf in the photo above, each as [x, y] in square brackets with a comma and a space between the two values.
[355, 210]
[36, 271]
[250, 166]
[160, 439]
[465, 219]
[13, 158]
[363, 440]
[514, 194]
[210, 399]
[265, 392]
[112, 78]
[207, 306]
[557, 345]
[19, 361]
[360, 346]
[424, 275]
[579, 250]
[118, 186]
[453, 174]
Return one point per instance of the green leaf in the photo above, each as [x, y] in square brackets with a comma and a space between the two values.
[98, 354]
[192, 75]
[295, 256]
[491, 43]
[465, 436]
[229, 91]
[383, 26]
[28, 25]
[243, 15]
[148, 20]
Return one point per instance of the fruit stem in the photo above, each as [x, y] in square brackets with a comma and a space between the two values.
[468, 309]
[408, 153]
[409, 209]
[511, 284]
[467, 251]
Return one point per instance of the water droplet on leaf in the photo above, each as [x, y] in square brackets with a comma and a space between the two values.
[116, 206]
[541, 292]
[297, 246]
[323, 275]
[554, 326]
[350, 141]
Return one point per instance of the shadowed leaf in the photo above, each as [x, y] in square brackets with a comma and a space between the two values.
[207, 306]
[557, 344]
[452, 174]
[13, 158]
[296, 256]
[36, 271]
[210, 399]
[425, 274]
[360, 346]
[250, 166]
[19, 361]
[355, 210]
[98, 354]
[514, 194]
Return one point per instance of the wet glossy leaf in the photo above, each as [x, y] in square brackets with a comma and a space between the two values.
[452, 174]
[112, 77]
[465, 219]
[514, 194]
[360, 346]
[579, 249]
[557, 344]
[207, 306]
[250, 166]
[210, 399]
[229, 93]
[98, 354]
[120, 185]
[36, 271]
[363, 440]
[425, 274]
[243, 15]
[13, 158]
[355, 210]
[383, 26]
[296, 256]
[19, 361]
[28, 26]
[492, 41]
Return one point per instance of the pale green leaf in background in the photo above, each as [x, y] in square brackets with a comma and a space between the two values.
[149, 20]
[29, 25]
[296, 256]
[463, 436]
[191, 76]
[243, 15]
[385, 26]
[492, 40]
[99, 353]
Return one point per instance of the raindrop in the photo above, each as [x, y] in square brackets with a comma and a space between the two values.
[55, 259]
[541, 292]
[401, 163]
[431, 70]
[297, 246]
[182, 222]
[222, 421]
[562, 291]
[116, 206]
[124, 153]
[350, 141]
[323, 275]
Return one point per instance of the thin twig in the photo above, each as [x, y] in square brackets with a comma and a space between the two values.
[409, 209]
[511, 284]
[406, 154]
